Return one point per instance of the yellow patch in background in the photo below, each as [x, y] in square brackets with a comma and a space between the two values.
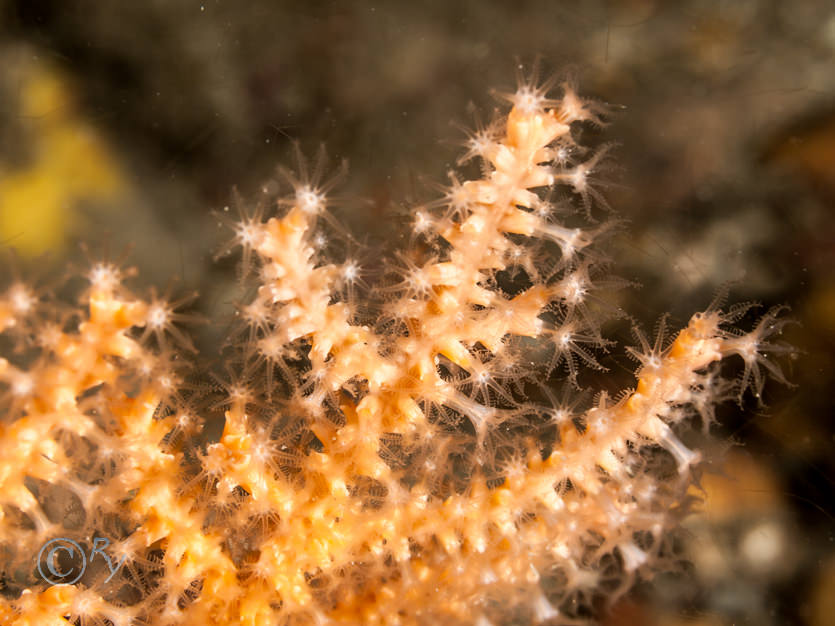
[70, 162]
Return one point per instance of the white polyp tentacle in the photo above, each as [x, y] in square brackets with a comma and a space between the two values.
[570, 240]
[684, 456]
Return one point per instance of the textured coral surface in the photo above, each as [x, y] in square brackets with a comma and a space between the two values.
[395, 455]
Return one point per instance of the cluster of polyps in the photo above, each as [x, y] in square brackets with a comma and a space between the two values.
[371, 470]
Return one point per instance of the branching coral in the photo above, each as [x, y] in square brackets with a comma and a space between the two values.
[394, 469]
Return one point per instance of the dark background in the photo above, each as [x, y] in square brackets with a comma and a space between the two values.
[725, 123]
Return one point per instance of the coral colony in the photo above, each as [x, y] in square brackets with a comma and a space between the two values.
[406, 463]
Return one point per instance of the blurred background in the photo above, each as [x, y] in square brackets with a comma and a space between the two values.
[124, 124]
